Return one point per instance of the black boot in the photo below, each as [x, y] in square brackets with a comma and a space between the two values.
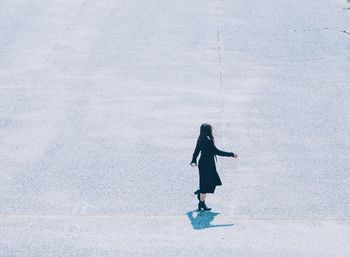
[201, 205]
[198, 193]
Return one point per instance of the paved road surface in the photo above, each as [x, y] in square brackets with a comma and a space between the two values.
[100, 108]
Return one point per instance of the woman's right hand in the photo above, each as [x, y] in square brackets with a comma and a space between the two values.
[193, 164]
[235, 155]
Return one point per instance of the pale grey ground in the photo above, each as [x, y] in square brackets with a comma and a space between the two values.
[100, 107]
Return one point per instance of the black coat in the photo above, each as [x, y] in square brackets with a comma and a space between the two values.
[208, 176]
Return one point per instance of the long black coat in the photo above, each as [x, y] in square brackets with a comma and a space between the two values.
[208, 176]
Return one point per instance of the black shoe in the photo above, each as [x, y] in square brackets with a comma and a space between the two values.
[201, 205]
[198, 194]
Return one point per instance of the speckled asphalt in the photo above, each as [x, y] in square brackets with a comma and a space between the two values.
[100, 108]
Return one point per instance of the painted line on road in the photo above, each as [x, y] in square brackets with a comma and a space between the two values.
[169, 216]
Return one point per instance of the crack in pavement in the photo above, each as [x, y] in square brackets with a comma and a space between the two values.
[76, 17]
[325, 29]
[219, 53]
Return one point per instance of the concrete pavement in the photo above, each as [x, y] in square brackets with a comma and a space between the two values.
[101, 103]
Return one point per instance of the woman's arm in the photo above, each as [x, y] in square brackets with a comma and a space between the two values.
[195, 153]
[222, 153]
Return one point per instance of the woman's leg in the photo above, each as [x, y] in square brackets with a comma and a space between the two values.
[202, 205]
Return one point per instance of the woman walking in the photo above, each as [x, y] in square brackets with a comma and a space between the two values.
[208, 176]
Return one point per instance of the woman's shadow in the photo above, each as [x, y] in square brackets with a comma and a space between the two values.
[202, 219]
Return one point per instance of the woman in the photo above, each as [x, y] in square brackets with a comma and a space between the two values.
[208, 176]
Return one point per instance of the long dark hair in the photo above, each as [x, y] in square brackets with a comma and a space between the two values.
[206, 132]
